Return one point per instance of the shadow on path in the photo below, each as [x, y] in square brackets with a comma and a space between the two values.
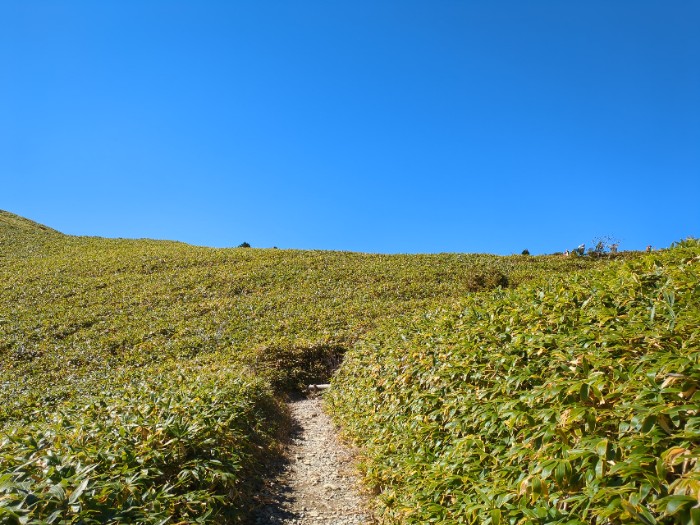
[276, 497]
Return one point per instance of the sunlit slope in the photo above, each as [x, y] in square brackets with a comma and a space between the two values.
[20, 236]
[139, 380]
[576, 400]
[10, 224]
[94, 306]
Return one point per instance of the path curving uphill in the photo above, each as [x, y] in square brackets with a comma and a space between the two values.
[317, 485]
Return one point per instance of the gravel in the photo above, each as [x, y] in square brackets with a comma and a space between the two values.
[317, 484]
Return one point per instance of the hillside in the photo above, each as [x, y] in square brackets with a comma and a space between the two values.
[574, 400]
[12, 225]
[141, 380]
[20, 236]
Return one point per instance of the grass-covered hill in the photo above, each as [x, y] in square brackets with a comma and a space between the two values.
[572, 400]
[14, 227]
[140, 380]
[22, 237]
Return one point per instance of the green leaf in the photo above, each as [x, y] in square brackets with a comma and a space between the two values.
[601, 448]
[673, 504]
[58, 491]
[562, 473]
[695, 516]
[78, 491]
[585, 393]
[648, 423]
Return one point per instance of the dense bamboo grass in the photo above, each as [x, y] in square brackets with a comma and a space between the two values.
[573, 400]
[140, 380]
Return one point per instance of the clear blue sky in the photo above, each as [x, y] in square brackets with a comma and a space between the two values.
[377, 126]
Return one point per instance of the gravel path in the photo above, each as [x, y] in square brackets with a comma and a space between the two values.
[317, 485]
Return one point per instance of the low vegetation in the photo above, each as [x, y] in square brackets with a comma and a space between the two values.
[140, 380]
[571, 400]
[177, 447]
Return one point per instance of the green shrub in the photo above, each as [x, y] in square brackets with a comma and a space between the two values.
[182, 448]
[572, 401]
[487, 280]
[292, 369]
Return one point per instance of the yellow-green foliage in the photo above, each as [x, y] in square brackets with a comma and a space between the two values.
[138, 378]
[177, 447]
[575, 401]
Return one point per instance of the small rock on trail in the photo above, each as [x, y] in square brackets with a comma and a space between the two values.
[317, 485]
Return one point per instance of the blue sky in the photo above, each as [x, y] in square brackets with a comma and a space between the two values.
[376, 126]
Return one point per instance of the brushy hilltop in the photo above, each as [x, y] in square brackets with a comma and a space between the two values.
[140, 381]
[574, 400]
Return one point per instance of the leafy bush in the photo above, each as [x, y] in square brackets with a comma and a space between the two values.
[180, 448]
[293, 369]
[487, 280]
[573, 400]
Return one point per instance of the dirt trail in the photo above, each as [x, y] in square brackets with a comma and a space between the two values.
[317, 485]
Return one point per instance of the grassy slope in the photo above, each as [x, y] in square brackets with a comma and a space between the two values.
[78, 308]
[123, 345]
[573, 400]
[11, 225]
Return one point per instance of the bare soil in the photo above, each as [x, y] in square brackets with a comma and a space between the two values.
[317, 484]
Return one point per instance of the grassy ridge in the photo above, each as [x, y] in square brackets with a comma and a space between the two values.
[175, 355]
[80, 308]
[16, 228]
[572, 401]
